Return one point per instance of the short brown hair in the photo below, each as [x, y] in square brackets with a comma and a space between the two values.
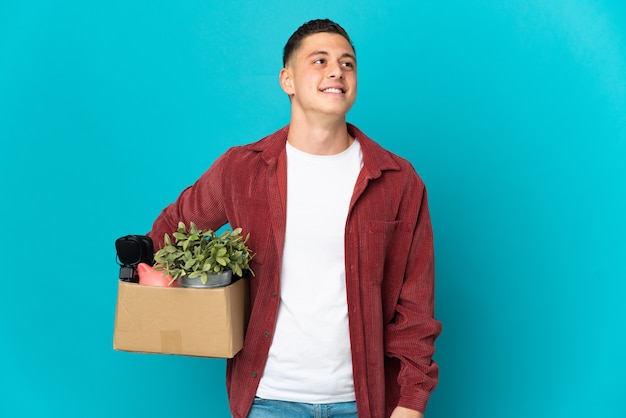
[309, 28]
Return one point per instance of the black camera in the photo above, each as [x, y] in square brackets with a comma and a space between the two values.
[132, 250]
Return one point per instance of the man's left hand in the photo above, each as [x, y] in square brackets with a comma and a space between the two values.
[401, 412]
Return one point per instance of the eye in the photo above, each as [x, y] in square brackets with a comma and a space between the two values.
[319, 61]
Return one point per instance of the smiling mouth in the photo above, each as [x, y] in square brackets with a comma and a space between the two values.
[333, 90]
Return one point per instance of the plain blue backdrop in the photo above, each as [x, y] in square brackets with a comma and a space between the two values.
[513, 113]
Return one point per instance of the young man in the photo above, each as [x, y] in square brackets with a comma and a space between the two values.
[342, 316]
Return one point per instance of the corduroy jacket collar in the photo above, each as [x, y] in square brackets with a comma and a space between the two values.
[375, 158]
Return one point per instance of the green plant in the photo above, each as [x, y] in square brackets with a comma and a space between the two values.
[198, 253]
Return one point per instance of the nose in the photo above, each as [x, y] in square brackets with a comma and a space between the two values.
[335, 71]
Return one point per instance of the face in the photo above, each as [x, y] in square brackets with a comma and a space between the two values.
[320, 77]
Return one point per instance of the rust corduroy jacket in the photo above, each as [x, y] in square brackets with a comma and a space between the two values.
[389, 267]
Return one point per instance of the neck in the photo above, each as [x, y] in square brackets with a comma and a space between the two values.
[328, 137]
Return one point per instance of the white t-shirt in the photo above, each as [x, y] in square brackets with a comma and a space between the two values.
[310, 359]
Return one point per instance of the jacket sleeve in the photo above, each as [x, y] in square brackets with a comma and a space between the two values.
[411, 334]
[201, 203]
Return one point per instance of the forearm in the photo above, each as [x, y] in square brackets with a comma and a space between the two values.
[410, 336]
[201, 203]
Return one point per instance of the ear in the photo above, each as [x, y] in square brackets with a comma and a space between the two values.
[286, 81]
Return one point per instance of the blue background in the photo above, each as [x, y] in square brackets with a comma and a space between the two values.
[514, 114]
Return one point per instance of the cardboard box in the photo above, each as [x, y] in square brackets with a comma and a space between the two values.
[185, 321]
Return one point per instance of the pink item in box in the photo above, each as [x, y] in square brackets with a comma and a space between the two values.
[148, 276]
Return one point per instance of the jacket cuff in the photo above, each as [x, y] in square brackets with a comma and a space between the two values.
[416, 401]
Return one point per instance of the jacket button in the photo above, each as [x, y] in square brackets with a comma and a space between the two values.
[266, 335]
[274, 293]
[253, 374]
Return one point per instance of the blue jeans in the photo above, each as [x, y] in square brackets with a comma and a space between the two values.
[267, 408]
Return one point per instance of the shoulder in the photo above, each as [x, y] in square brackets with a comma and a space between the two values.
[378, 160]
[268, 147]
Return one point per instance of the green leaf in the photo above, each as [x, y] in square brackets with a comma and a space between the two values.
[179, 236]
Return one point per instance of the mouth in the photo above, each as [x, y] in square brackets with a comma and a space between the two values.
[333, 90]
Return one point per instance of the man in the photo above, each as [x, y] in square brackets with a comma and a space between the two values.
[342, 317]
